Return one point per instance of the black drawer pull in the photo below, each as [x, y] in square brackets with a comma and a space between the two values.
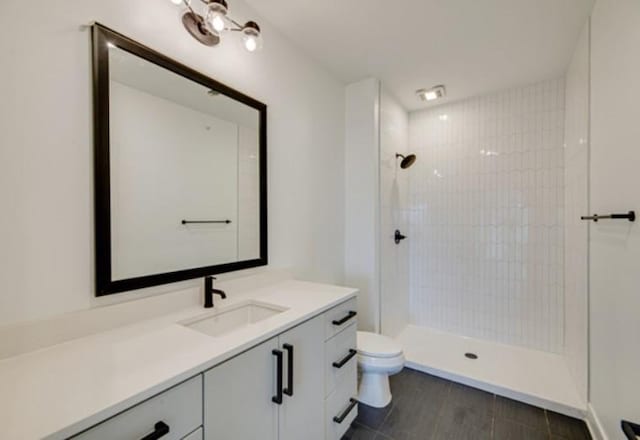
[347, 358]
[160, 430]
[289, 389]
[631, 430]
[278, 397]
[352, 403]
[350, 315]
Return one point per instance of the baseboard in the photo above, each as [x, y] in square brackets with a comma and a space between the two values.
[594, 425]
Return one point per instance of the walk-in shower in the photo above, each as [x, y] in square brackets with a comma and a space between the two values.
[477, 293]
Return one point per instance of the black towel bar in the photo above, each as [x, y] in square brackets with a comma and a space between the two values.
[631, 216]
[188, 222]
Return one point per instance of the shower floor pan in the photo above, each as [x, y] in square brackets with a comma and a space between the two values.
[534, 377]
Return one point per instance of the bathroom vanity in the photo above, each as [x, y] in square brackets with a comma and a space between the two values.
[274, 362]
[180, 194]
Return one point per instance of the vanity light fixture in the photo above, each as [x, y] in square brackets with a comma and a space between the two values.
[208, 26]
[431, 94]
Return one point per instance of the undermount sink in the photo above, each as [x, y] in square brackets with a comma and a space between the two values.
[233, 318]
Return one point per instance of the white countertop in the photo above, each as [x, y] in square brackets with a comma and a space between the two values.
[60, 390]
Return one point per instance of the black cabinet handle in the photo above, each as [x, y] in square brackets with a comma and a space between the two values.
[340, 418]
[278, 397]
[289, 389]
[631, 430]
[160, 430]
[350, 315]
[344, 360]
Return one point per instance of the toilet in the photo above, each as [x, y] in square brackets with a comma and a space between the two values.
[378, 357]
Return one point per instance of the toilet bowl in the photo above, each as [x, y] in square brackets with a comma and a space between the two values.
[378, 357]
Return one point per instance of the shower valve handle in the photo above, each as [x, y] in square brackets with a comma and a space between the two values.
[398, 237]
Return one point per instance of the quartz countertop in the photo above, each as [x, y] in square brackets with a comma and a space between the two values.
[60, 390]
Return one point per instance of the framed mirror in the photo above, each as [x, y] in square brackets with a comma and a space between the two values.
[180, 170]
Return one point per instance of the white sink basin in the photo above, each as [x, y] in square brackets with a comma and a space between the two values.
[233, 318]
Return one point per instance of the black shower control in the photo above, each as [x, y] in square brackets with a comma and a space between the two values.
[398, 237]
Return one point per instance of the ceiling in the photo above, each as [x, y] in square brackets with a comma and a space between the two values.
[471, 46]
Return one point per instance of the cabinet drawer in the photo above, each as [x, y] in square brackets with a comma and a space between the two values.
[340, 361]
[340, 317]
[179, 409]
[337, 405]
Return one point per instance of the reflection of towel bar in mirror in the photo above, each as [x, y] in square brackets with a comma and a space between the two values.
[631, 216]
[188, 222]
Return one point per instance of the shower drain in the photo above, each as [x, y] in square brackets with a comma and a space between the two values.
[471, 355]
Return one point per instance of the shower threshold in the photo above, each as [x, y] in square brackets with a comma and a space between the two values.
[534, 377]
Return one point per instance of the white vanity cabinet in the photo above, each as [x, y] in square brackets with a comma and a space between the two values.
[301, 414]
[238, 396]
[340, 369]
[273, 391]
[297, 385]
[174, 414]
[252, 397]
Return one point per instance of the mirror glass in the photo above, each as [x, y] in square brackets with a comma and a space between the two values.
[184, 174]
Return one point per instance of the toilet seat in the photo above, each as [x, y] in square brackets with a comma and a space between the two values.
[372, 345]
[388, 366]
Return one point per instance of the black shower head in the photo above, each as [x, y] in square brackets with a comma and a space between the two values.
[407, 161]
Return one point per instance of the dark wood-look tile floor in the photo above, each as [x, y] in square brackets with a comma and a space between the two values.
[426, 407]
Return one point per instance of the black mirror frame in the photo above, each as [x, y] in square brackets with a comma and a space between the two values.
[105, 285]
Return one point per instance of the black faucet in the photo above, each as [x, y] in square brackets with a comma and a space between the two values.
[209, 291]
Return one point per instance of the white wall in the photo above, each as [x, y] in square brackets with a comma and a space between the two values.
[576, 196]
[394, 259]
[362, 212]
[486, 201]
[615, 245]
[46, 226]
[248, 194]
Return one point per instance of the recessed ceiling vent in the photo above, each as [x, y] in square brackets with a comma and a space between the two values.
[432, 94]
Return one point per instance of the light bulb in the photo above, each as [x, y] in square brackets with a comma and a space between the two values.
[176, 2]
[251, 37]
[217, 22]
[217, 16]
[250, 43]
[430, 96]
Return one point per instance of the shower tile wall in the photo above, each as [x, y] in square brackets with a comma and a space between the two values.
[486, 213]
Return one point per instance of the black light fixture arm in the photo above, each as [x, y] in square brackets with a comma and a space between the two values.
[237, 28]
[187, 3]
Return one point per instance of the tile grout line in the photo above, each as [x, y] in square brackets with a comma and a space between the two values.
[493, 418]
[546, 419]
[384, 420]
[441, 410]
[377, 430]
[526, 424]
